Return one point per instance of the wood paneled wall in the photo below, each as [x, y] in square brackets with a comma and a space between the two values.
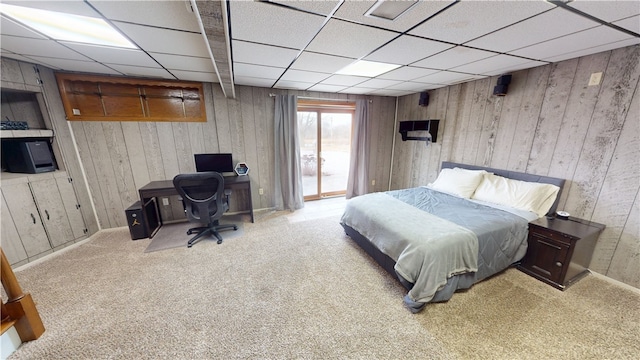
[121, 157]
[550, 123]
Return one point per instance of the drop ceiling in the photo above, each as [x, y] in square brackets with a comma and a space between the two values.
[301, 44]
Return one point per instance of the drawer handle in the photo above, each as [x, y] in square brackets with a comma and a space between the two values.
[33, 218]
[46, 212]
[558, 264]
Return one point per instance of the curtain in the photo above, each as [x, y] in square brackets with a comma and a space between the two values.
[288, 174]
[359, 166]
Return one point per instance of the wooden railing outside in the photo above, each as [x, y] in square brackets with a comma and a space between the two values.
[19, 310]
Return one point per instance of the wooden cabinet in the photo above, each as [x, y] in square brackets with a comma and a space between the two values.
[40, 214]
[110, 98]
[560, 250]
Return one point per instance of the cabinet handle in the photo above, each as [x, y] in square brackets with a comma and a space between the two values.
[46, 212]
[33, 218]
[558, 264]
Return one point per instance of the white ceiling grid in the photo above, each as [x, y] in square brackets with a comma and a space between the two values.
[296, 44]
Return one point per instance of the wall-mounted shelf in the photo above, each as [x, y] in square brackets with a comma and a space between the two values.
[33, 133]
[430, 126]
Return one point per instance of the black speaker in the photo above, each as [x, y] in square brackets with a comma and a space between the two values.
[504, 80]
[424, 99]
[138, 228]
[502, 86]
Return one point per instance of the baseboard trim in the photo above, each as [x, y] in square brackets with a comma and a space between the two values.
[616, 282]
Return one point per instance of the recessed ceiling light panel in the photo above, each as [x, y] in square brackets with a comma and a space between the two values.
[67, 27]
[390, 10]
[367, 68]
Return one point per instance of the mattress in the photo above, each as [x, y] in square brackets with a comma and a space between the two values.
[446, 229]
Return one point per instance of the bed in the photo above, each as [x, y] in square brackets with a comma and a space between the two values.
[469, 224]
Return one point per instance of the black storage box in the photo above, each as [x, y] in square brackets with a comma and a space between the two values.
[138, 228]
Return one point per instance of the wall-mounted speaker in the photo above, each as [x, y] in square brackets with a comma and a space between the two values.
[502, 85]
[424, 99]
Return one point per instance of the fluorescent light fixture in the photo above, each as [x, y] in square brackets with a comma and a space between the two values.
[67, 27]
[367, 68]
[390, 10]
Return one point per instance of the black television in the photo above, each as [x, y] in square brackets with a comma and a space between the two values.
[222, 163]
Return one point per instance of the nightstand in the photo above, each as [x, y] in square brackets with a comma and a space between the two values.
[560, 250]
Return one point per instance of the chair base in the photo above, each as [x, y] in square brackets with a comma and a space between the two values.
[211, 229]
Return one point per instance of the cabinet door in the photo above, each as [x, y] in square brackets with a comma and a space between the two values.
[72, 207]
[52, 211]
[26, 218]
[547, 257]
[11, 243]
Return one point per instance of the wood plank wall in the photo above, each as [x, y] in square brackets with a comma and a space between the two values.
[121, 157]
[550, 123]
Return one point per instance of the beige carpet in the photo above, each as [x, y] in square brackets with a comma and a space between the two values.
[174, 235]
[303, 290]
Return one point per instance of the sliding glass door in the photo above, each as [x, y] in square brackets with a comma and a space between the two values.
[325, 144]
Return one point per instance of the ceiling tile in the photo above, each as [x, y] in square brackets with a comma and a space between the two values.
[171, 15]
[606, 10]
[142, 71]
[491, 64]
[251, 81]
[574, 42]
[196, 76]
[261, 54]
[451, 58]
[286, 84]
[515, 67]
[257, 71]
[81, 66]
[597, 49]
[407, 49]
[10, 27]
[444, 77]
[167, 41]
[631, 23]
[187, 63]
[324, 7]
[348, 39]
[357, 90]
[70, 7]
[320, 62]
[552, 24]
[409, 86]
[263, 23]
[345, 80]
[106, 54]
[406, 73]
[389, 92]
[379, 83]
[327, 88]
[37, 47]
[467, 20]
[304, 76]
[355, 10]
[11, 55]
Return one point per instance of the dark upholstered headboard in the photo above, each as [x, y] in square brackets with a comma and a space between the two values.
[514, 175]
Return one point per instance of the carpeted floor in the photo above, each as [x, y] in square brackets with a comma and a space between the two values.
[303, 290]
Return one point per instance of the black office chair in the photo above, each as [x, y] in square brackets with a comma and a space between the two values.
[205, 201]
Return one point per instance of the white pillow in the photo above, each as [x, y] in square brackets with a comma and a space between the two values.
[535, 197]
[458, 182]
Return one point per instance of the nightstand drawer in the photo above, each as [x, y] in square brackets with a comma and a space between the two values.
[548, 258]
[564, 238]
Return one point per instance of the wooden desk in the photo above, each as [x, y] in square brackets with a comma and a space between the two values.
[159, 188]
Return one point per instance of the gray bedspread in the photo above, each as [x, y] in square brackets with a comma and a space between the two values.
[445, 230]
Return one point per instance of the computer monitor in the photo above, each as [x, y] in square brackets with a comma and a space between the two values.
[222, 163]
